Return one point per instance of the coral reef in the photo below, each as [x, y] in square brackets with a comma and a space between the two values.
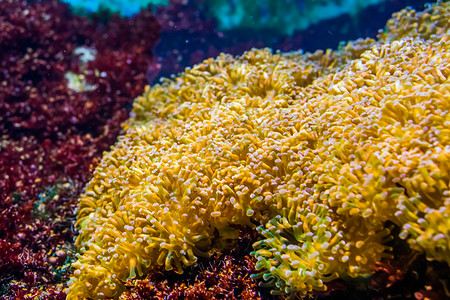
[54, 127]
[51, 136]
[328, 152]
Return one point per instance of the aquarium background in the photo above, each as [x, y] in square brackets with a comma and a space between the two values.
[69, 72]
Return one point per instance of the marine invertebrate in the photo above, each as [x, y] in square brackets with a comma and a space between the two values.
[52, 135]
[321, 161]
[411, 23]
[392, 165]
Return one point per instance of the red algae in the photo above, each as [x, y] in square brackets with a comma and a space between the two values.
[37, 52]
[51, 135]
[222, 276]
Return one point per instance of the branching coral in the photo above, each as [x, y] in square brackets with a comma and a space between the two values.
[321, 155]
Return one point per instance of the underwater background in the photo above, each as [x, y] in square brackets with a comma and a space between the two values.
[70, 72]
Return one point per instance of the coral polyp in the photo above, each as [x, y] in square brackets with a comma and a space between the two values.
[321, 152]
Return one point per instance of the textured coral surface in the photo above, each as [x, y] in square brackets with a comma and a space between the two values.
[327, 153]
[66, 84]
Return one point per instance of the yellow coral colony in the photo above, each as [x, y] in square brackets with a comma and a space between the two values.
[319, 149]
